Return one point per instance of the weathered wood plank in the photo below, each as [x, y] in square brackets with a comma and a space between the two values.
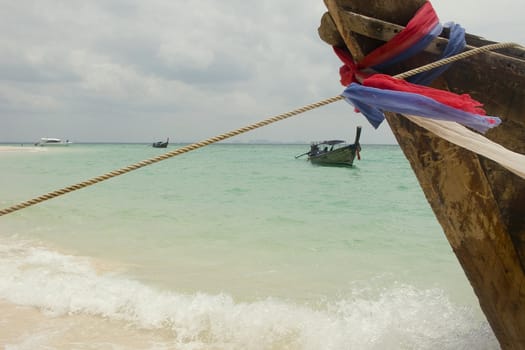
[384, 31]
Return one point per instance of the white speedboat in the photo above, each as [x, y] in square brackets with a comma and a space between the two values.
[48, 141]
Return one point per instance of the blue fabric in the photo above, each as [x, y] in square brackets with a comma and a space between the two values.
[412, 50]
[455, 45]
[372, 102]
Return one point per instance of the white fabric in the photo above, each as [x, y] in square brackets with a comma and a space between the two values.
[463, 137]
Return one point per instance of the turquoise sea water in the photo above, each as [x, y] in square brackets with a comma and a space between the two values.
[229, 247]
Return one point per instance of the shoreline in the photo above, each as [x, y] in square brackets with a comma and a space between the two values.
[28, 148]
[23, 325]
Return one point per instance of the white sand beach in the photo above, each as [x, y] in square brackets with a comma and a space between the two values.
[28, 148]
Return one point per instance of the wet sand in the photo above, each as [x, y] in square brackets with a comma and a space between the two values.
[25, 327]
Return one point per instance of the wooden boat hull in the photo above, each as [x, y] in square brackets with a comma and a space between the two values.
[343, 156]
[479, 204]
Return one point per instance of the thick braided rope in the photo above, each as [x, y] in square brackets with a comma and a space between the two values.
[167, 155]
[454, 58]
[236, 132]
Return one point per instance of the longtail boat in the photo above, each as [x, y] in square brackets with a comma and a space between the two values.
[336, 153]
[478, 200]
[161, 144]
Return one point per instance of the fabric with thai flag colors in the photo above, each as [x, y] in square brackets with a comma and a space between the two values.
[381, 93]
[372, 101]
[456, 44]
[420, 31]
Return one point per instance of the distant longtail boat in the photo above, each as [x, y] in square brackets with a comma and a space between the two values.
[161, 144]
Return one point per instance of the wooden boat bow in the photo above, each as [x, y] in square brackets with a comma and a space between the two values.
[479, 204]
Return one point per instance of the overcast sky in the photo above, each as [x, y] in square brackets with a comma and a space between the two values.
[141, 71]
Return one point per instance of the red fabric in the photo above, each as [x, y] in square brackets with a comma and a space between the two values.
[462, 102]
[349, 72]
[419, 26]
[348, 69]
[424, 19]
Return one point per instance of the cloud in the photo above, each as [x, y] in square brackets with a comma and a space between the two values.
[115, 70]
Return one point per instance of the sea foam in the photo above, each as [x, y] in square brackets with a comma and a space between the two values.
[397, 317]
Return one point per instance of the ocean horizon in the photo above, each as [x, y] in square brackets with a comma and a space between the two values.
[231, 246]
